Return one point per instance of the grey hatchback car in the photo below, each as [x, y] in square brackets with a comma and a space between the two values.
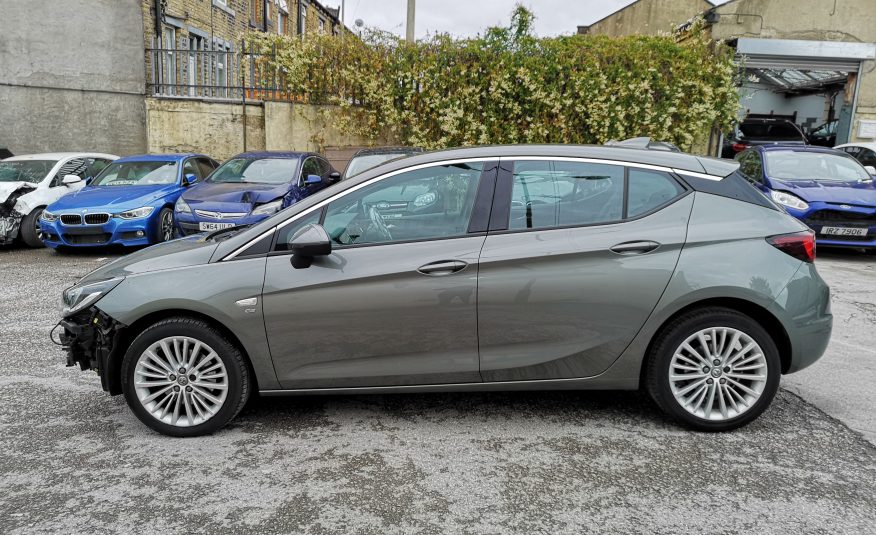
[512, 268]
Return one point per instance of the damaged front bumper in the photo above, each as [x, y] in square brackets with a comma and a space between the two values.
[10, 224]
[91, 339]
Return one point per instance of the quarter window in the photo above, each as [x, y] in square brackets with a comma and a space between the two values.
[430, 203]
[284, 234]
[549, 194]
[650, 190]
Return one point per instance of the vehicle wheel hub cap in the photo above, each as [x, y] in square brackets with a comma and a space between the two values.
[184, 399]
[718, 353]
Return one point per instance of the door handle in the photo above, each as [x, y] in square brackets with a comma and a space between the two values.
[635, 247]
[442, 267]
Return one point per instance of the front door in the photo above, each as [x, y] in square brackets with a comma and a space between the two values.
[396, 301]
[577, 257]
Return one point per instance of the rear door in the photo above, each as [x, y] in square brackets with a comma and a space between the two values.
[577, 256]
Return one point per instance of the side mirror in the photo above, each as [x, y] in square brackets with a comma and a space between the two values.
[312, 179]
[189, 179]
[870, 169]
[310, 241]
[334, 176]
[69, 180]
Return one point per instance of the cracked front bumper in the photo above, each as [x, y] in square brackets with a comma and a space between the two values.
[90, 339]
[9, 227]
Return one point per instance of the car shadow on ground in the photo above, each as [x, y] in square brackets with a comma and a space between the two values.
[846, 255]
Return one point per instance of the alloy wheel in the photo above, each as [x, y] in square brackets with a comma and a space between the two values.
[167, 226]
[718, 373]
[181, 381]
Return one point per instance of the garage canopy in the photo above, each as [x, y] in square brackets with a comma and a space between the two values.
[789, 54]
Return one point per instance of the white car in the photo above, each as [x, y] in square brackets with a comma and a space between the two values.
[30, 183]
[863, 151]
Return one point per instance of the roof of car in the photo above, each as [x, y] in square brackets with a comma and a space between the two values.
[673, 160]
[272, 154]
[387, 150]
[866, 144]
[159, 157]
[57, 156]
[796, 148]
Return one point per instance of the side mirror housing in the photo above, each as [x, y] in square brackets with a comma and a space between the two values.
[310, 241]
[189, 179]
[334, 176]
[69, 180]
[870, 169]
[313, 179]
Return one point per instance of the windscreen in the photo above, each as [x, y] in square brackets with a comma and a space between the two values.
[818, 166]
[32, 171]
[256, 171]
[137, 174]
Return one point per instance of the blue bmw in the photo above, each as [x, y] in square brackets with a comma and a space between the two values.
[129, 203]
[250, 187]
[825, 188]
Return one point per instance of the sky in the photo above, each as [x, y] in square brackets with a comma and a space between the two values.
[465, 18]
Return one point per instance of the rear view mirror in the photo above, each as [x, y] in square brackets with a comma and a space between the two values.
[189, 179]
[69, 180]
[313, 179]
[334, 176]
[870, 169]
[310, 241]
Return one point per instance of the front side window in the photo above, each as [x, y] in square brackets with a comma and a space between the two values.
[258, 171]
[191, 168]
[311, 167]
[96, 165]
[76, 166]
[817, 166]
[137, 174]
[207, 166]
[867, 157]
[650, 190]
[549, 194]
[33, 171]
[430, 203]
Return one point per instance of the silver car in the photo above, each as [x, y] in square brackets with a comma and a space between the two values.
[491, 268]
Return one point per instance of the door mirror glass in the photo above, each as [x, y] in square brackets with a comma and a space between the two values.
[313, 179]
[870, 169]
[310, 241]
[69, 180]
[189, 179]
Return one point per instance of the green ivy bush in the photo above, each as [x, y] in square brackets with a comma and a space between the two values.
[508, 86]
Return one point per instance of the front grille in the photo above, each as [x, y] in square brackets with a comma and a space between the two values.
[88, 239]
[220, 215]
[71, 219]
[96, 219]
[823, 217]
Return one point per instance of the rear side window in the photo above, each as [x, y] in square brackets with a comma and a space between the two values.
[547, 194]
[650, 190]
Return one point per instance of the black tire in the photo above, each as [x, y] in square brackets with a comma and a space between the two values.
[29, 229]
[675, 333]
[239, 380]
[164, 215]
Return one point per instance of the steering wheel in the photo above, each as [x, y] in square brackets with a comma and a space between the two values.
[379, 224]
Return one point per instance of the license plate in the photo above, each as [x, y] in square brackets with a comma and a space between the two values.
[844, 231]
[206, 225]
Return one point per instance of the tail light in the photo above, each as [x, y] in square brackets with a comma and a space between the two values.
[739, 147]
[800, 245]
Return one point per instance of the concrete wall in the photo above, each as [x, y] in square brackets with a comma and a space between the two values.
[813, 20]
[647, 17]
[216, 128]
[811, 109]
[72, 76]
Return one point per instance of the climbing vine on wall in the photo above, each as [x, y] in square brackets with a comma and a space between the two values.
[508, 86]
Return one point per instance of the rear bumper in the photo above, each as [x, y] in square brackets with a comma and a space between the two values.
[807, 317]
[129, 232]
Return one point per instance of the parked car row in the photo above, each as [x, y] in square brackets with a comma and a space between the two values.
[84, 200]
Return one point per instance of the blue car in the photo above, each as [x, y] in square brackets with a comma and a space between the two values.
[129, 203]
[250, 187]
[825, 188]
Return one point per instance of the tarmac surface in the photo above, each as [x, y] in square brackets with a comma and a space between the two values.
[75, 460]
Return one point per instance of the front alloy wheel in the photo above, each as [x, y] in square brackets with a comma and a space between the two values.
[165, 225]
[182, 377]
[714, 369]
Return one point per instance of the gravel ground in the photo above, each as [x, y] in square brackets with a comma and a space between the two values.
[77, 461]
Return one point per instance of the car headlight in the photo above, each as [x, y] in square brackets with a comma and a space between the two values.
[425, 199]
[182, 206]
[786, 199]
[78, 297]
[48, 216]
[136, 213]
[268, 208]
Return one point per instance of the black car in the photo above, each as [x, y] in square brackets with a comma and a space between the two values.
[366, 159]
[754, 132]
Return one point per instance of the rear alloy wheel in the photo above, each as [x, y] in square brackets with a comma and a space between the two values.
[165, 225]
[182, 377]
[30, 229]
[714, 369]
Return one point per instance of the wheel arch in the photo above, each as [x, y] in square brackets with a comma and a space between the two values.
[128, 333]
[753, 310]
